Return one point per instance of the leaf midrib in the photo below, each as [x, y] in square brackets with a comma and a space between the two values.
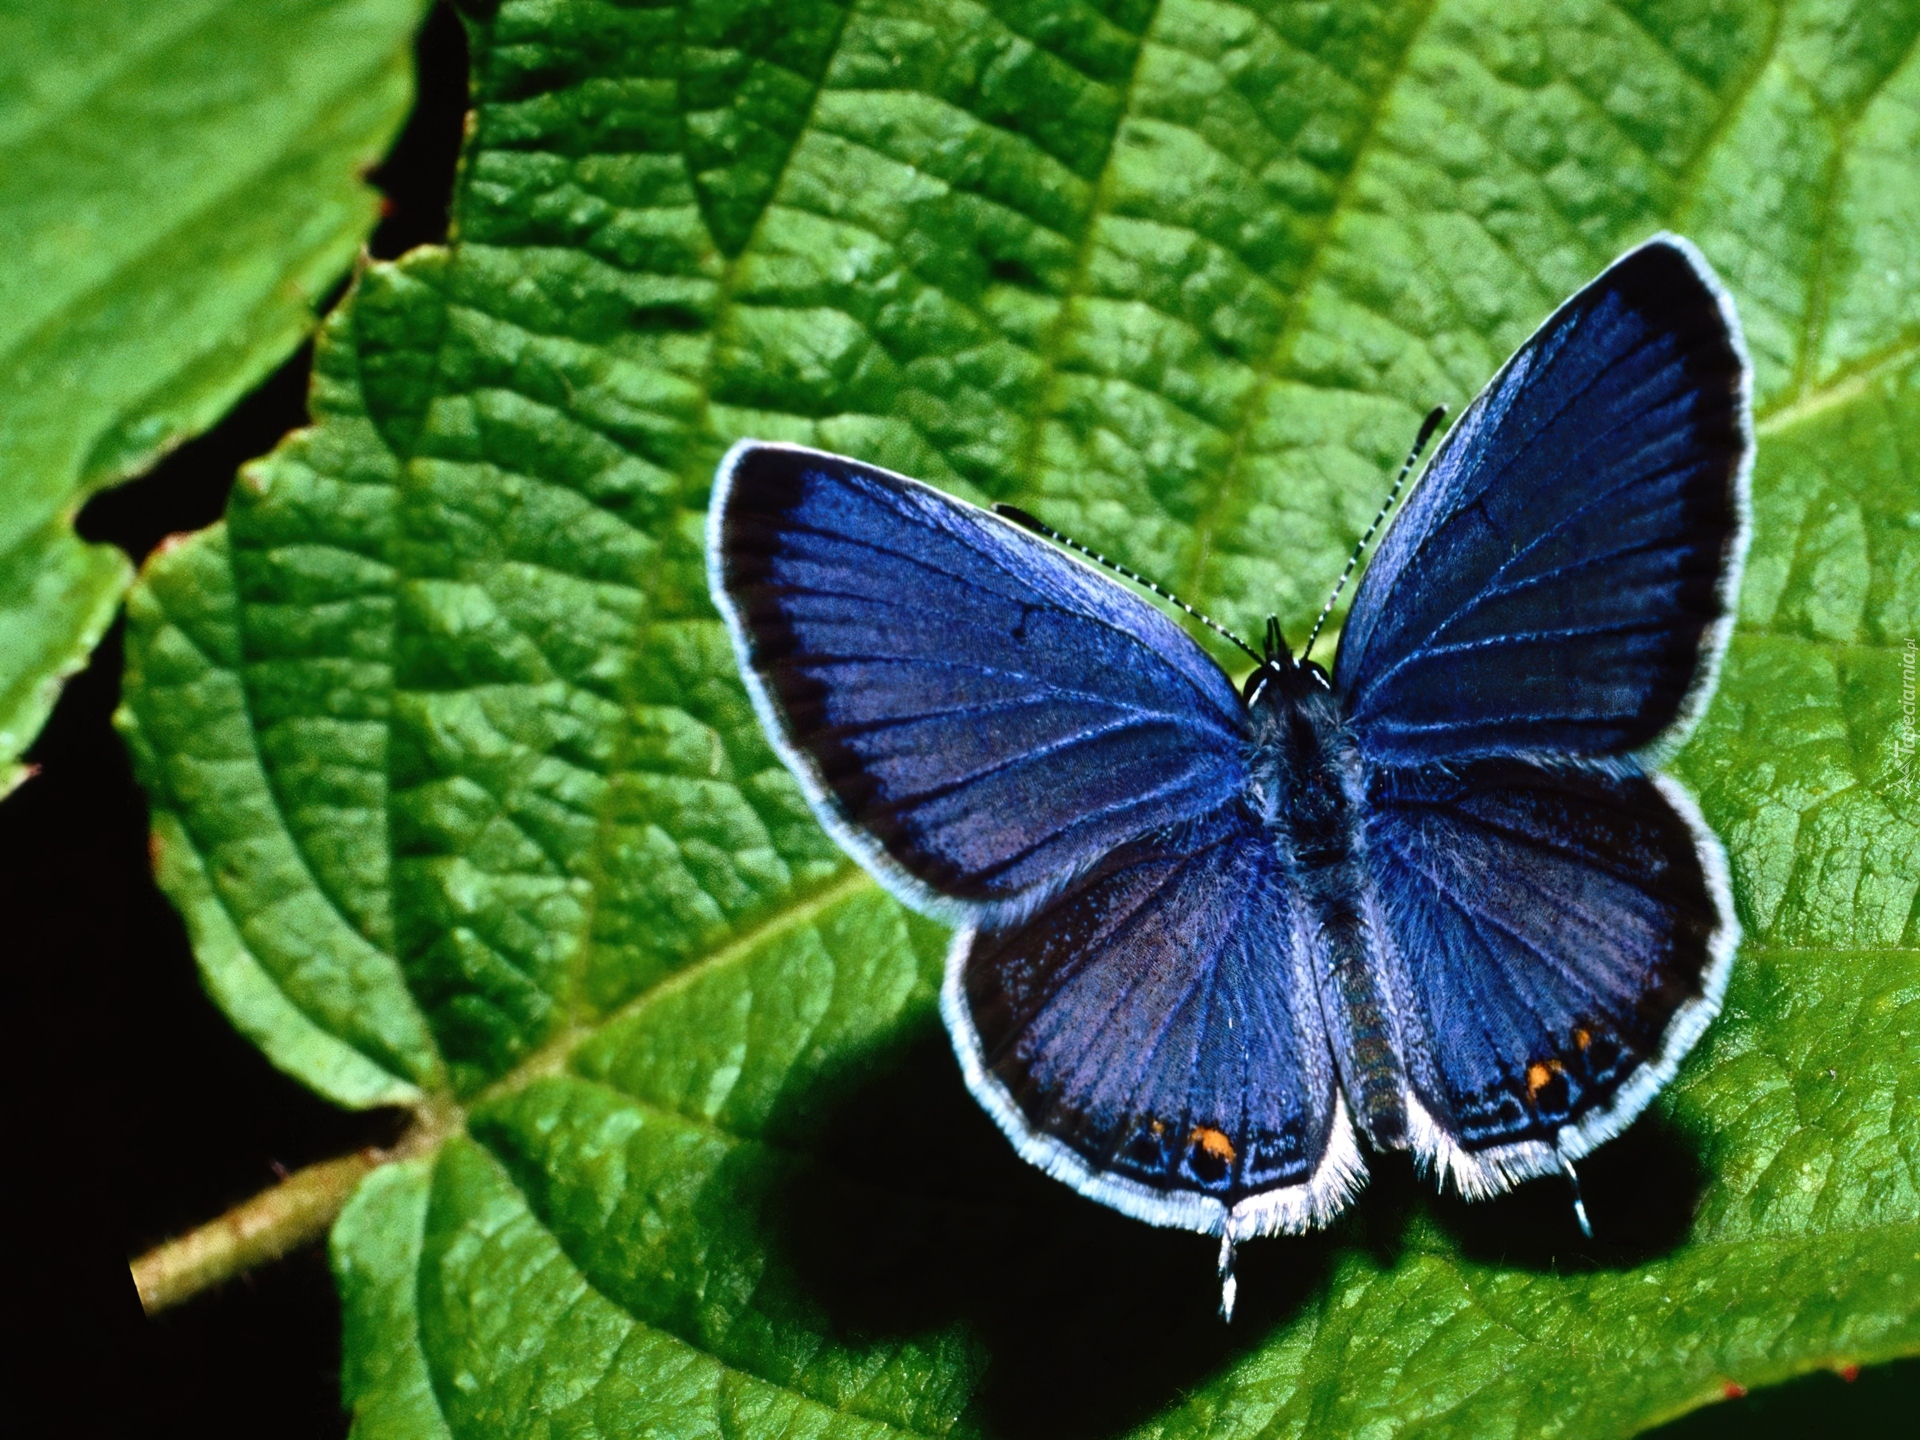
[551, 1057]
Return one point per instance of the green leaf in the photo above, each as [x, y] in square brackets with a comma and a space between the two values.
[181, 185]
[456, 785]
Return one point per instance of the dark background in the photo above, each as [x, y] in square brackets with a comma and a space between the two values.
[140, 1113]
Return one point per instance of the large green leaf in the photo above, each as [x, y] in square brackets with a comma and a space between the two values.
[179, 184]
[456, 785]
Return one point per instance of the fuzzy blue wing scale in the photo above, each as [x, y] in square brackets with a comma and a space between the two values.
[1561, 936]
[977, 717]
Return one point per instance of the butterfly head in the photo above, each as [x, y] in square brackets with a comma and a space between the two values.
[1279, 676]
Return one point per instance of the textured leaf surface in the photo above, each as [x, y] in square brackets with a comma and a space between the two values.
[180, 184]
[457, 787]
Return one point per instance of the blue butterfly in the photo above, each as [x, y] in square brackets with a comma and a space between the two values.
[1207, 932]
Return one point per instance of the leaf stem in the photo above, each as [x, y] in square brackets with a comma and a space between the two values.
[293, 1213]
[301, 1208]
[297, 1210]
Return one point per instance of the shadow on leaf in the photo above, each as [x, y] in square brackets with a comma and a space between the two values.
[1086, 1321]
[1641, 1189]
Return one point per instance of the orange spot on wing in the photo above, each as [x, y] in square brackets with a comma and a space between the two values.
[1582, 1036]
[1213, 1141]
[1733, 1390]
[1539, 1074]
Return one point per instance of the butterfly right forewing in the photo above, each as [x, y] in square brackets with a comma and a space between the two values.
[1561, 581]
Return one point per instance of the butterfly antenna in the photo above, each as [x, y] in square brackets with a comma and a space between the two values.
[1040, 527]
[1427, 427]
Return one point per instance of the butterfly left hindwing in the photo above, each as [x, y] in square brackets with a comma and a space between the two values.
[1153, 1038]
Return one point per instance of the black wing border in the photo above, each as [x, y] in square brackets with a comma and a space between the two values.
[898, 881]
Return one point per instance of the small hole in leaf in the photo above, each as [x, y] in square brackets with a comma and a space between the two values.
[1012, 272]
[668, 317]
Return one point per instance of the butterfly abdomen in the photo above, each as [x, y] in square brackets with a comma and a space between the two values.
[1305, 775]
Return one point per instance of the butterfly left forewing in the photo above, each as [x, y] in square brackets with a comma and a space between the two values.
[976, 717]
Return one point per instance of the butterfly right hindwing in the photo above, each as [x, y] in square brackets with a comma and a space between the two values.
[1562, 938]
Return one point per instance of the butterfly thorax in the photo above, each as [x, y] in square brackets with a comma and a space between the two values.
[1303, 764]
[1306, 783]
